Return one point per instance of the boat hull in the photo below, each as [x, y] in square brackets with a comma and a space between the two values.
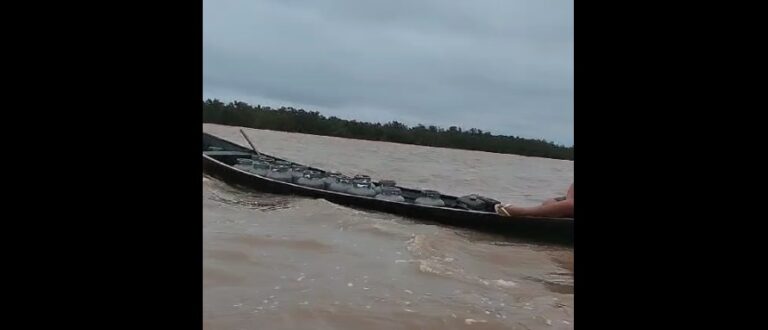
[554, 230]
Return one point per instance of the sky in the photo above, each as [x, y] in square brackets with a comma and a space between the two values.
[504, 66]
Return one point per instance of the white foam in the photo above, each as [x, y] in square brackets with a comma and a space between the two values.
[505, 284]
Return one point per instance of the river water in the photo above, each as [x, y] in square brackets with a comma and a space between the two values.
[288, 262]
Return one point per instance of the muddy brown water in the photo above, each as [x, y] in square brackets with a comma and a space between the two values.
[289, 262]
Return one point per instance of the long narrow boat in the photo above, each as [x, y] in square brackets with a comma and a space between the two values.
[220, 157]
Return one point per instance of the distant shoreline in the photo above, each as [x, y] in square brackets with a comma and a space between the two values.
[312, 122]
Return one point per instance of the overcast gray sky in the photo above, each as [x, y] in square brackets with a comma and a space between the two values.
[500, 65]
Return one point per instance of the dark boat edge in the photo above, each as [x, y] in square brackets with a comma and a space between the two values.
[545, 230]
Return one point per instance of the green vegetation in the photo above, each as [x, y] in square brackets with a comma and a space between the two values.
[311, 122]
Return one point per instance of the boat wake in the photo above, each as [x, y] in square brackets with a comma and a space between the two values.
[431, 260]
[225, 194]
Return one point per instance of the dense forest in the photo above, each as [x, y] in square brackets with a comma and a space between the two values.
[312, 122]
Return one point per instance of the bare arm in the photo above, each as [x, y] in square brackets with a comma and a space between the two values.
[562, 209]
[554, 208]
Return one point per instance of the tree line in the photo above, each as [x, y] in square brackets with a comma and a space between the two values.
[289, 119]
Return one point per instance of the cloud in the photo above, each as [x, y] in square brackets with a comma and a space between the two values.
[499, 65]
